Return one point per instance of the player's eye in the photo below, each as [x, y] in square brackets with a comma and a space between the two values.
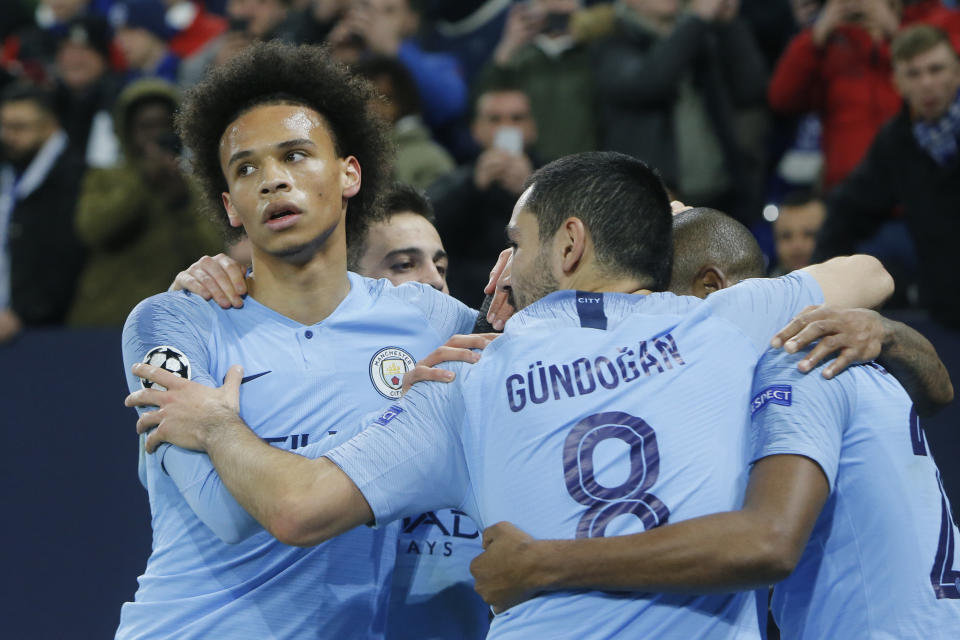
[441, 269]
[296, 156]
[405, 265]
[244, 170]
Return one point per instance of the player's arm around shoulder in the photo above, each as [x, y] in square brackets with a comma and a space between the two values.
[852, 281]
[298, 500]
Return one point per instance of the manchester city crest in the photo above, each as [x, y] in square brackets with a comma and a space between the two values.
[387, 368]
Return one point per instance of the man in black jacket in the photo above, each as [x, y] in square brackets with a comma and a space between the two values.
[39, 181]
[914, 163]
[684, 91]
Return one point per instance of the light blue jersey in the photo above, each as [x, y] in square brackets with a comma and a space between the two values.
[880, 562]
[213, 572]
[593, 415]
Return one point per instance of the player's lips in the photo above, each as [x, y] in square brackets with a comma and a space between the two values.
[281, 215]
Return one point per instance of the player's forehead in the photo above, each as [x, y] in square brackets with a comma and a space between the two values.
[267, 125]
[523, 222]
[404, 230]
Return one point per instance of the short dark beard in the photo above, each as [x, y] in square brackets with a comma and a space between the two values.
[541, 284]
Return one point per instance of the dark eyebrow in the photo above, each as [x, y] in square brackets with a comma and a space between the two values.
[439, 255]
[298, 142]
[410, 250]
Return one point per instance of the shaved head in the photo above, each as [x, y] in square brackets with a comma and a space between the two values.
[709, 239]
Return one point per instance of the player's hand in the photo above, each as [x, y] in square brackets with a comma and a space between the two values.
[220, 277]
[459, 348]
[855, 335]
[188, 414]
[503, 572]
[678, 207]
[501, 307]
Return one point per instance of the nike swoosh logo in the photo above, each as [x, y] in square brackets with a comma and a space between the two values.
[253, 377]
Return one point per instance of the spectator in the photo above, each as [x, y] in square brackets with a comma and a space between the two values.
[840, 68]
[387, 27]
[86, 89]
[795, 231]
[193, 26]
[249, 21]
[140, 221]
[913, 162]
[39, 180]
[420, 160]
[684, 92]
[472, 202]
[539, 54]
[467, 29]
[29, 51]
[141, 35]
[314, 22]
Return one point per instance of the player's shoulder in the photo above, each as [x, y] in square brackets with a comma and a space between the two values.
[751, 287]
[421, 298]
[172, 307]
[778, 369]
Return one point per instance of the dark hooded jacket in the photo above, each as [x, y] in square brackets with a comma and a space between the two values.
[137, 240]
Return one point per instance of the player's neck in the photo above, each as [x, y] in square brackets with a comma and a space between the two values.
[307, 292]
[596, 282]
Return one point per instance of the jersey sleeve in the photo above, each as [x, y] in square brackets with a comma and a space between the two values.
[410, 459]
[446, 315]
[760, 307]
[799, 414]
[163, 327]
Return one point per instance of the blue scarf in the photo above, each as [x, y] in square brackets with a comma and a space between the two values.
[939, 138]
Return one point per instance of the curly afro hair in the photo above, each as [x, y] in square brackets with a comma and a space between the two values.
[279, 73]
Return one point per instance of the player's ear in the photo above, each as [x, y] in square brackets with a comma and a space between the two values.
[350, 177]
[232, 215]
[709, 279]
[572, 241]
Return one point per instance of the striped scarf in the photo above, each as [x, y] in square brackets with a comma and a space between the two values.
[939, 138]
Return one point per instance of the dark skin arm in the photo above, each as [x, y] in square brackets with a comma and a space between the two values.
[861, 335]
[733, 551]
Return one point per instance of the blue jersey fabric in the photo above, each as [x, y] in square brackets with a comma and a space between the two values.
[213, 572]
[594, 414]
[880, 561]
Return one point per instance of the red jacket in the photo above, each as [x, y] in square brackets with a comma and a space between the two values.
[204, 28]
[847, 82]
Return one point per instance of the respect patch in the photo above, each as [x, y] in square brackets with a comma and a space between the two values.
[781, 394]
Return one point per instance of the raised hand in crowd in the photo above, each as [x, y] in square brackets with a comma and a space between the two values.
[831, 16]
[524, 22]
[509, 170]
[711, 10]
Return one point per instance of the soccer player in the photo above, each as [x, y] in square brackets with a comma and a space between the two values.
[433, 595]
[283, 142]
[404, 246]
[844, 502]
[598, 412]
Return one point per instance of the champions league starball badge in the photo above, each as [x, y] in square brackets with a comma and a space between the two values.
[387, 368]
[169, 359]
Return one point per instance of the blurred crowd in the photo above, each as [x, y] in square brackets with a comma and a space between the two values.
[827, 126]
